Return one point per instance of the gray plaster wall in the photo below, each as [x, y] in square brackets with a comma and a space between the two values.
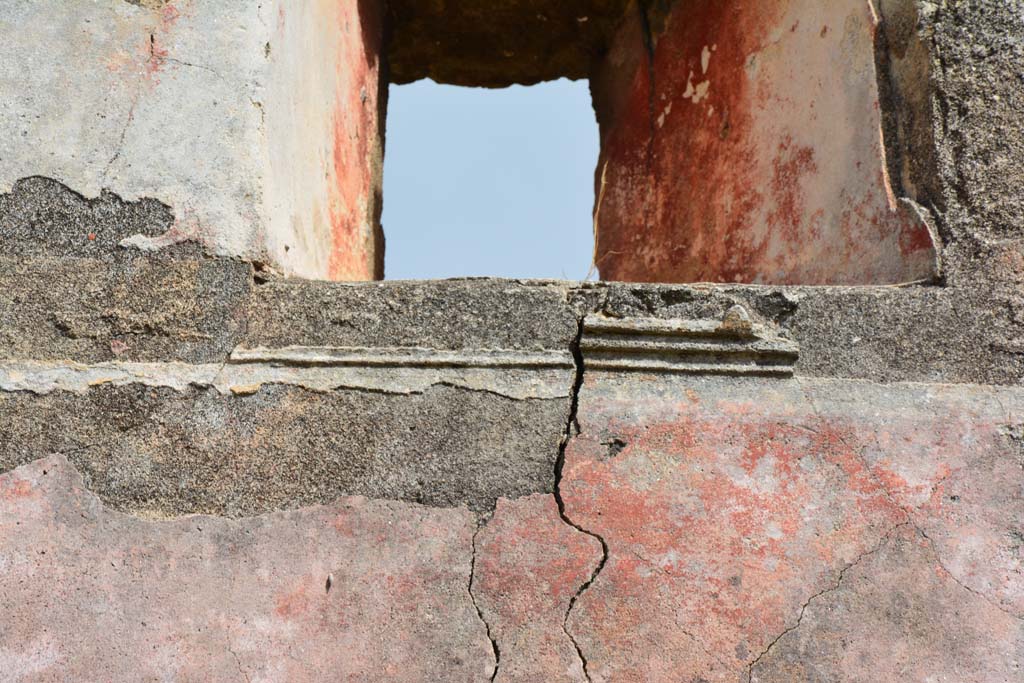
[103, 96]
[226, 111]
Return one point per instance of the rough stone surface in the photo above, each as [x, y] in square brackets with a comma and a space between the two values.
[142, 309]
[530, 565]
[886, 334]
[728, 505]
[92, 310]
[495, 44]
[742, 143]
[216, 109]
[42, 217]
[164, 453]
[977, 51]
[455, 314]
[357, 591]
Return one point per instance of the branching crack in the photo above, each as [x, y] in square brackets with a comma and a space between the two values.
[480, 612]
[834, 587]
[908, 513]
[572, 428]
[951, 575]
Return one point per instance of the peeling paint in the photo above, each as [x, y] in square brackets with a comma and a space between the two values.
[770, 166]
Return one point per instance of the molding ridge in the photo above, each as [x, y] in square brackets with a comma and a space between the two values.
[732, 346]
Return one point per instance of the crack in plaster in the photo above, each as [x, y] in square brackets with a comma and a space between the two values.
[830, 589]
[181, 62]
[121, 139]
[957, 581]
[908, 511]
[238, 663]
[573, 423]
[700, 645]
[882, 488]
[479, 612]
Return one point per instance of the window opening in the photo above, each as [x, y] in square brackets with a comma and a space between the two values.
[496, 183]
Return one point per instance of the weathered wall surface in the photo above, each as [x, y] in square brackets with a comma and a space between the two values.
[324, 109]
[742, 143]
[210, 599]
[517, 481]
[674, 489]
[217, 109]
[734, 510]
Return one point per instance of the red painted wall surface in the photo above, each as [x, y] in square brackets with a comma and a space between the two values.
[740, 515]
[357, 243]
[741, 142]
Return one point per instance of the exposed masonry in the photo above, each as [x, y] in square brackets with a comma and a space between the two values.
[71, 293]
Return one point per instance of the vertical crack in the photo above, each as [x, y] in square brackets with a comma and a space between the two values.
[120, 141]
[238, 664]
[480, 612]
[649, 49]
[572, 428]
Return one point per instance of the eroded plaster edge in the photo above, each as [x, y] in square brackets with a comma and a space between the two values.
[242, 379]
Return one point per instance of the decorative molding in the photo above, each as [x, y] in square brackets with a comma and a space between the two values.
[403, 357]
[732, 346]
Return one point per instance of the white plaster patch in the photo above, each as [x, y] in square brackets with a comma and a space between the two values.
[696, 93]
[664, 114]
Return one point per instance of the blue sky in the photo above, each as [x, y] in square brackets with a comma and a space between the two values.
[489, 182]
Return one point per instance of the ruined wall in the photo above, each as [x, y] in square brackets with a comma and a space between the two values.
[259, 124]
[213, 472]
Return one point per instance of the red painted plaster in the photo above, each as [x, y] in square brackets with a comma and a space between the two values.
[725, 515]
[749, 149]
[529, 566]
[356, 250]
[283, 597]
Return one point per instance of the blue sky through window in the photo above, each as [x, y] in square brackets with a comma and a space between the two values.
[489, 182]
